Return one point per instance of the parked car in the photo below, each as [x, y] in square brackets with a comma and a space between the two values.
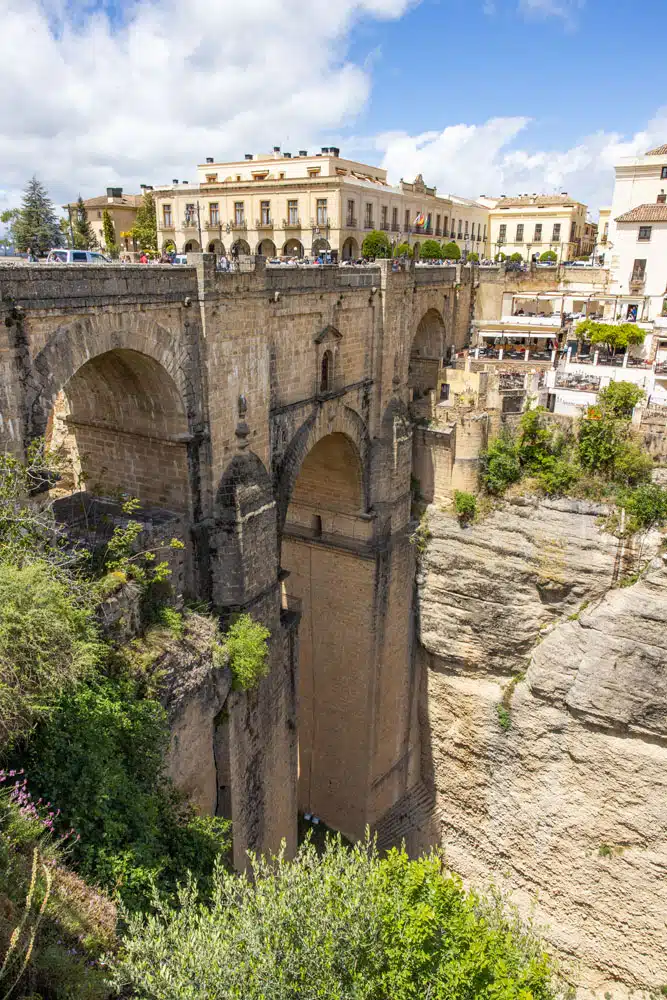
[63, 256]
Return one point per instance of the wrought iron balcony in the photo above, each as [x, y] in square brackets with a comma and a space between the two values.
[190, 223]
[369, 224]
[291, 223]
[264, 224]
[351, 222]
[637, 281]
[239, 224]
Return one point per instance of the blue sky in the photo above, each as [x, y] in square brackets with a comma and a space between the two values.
[481, 96]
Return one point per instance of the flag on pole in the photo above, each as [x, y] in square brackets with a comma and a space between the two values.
[419, 221]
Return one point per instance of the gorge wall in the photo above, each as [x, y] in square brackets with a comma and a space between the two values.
[551, 783]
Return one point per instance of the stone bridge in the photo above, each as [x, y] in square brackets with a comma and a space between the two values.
[268, 410]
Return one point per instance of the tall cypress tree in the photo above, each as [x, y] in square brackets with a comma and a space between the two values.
[109, 231]
[144, 230]
[84, 235]
[36, 225]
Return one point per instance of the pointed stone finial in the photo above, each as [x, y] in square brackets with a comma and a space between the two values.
[242, 429]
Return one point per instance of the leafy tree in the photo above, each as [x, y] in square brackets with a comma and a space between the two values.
[500, 464]
[612, 336]
[473, 257]
[500, 257]
[144, 230]
[35, 225]
[620, 398]
[109, 232]
[376, 244]
[430, 250]
[403, 250]
[549, 257]
[451, 251]
[343, 924]
[516, 257]
[84, 235]
[465, 505]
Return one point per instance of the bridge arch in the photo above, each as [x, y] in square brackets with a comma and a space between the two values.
[426, 351]
[327, 551]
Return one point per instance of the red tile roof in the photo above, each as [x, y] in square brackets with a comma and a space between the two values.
[658, 151]
[645, 213]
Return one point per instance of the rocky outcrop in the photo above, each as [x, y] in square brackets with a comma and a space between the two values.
[485, 592]
[554, 785]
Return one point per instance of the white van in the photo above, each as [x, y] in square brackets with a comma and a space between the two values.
[64, 256]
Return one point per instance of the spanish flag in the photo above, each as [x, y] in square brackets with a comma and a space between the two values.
[419, 221]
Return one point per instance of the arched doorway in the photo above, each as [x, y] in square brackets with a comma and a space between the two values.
[350, 249]
[192, 246]
[121, 424]
[426, 353]
[217, 247]
[293, 248]
[241, 248]
[322, 549]
[320, 246]
[266, 248]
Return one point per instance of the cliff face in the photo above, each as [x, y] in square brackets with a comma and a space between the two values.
[560, 794]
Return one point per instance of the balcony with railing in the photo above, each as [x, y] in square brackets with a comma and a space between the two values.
[292, 223]
[395, 228]
[190, 222]
[636, 281]
[351, 222]
[239, 225]
[369, 224]
[263, 223]
[384, 226]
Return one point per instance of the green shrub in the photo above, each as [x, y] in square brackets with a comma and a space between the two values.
[632, 465]
[451, 251]
[403, 250]
[516, 257]
[645, 505]
[500, 257]
[101, 757]
[48, 642]
[430, 250]
[558, 477]
[619, 399]
[549, 257]
[465, 505]
[500, 464]
[343, 923]
[598, 441]
[473, 257]
[245, 643]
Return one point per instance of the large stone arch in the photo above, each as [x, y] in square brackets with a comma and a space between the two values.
[330, 418]
[426, 351]
[72, 346]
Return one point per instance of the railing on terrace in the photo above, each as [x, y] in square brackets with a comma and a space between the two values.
[526, 319]
[581, 382]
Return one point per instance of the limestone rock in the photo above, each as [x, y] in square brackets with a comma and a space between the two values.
[609, 666]
[489, 589]
[567, 808]
[194, 691]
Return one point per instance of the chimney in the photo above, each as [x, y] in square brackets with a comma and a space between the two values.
[248, 156]
[209, 159]
[303, 152]
[325, 149]
[288, 156]
[175, 180]
[335, 150]
[276, 149]
[184, 182]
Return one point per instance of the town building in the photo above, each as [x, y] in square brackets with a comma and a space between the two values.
[637, 239]
[121, 207]
[295, 205]
[533, 224]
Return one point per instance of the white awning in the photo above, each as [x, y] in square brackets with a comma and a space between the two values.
[528, 334]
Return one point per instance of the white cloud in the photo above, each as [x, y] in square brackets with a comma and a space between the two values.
[471, 160]
[144, 101]
[564, 9]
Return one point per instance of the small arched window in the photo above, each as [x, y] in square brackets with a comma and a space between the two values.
[326, 374]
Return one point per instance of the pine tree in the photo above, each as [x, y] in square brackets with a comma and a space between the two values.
[36, 225]
[144, 230]
[109, 232]
[84, 235]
